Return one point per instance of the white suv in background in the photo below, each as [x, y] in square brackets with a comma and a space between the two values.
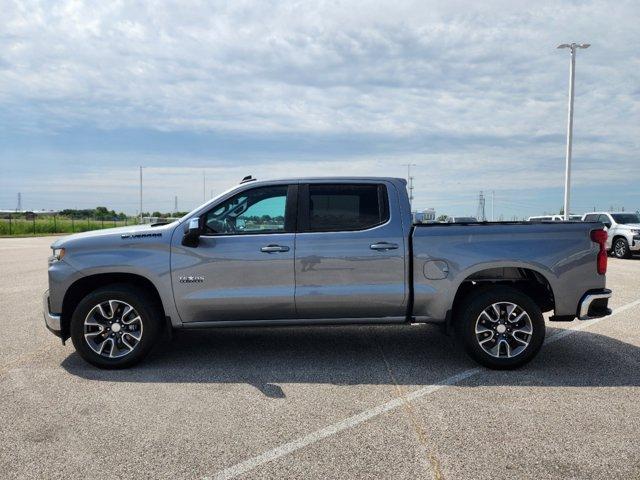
[623, 229]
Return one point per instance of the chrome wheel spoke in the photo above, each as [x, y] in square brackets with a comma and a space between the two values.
[527, 330]
[135, 335]
[126, 344]
[129, 322]
[487, 339]
[482, 329]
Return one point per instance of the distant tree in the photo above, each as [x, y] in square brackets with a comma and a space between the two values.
[442, 218]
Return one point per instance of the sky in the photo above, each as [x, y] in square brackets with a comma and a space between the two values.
[473, 94]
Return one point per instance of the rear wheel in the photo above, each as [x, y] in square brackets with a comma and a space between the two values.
[115, 326]
[501, 327]
[621, 248]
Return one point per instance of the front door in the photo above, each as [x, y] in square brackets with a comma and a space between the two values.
[242, 268]
[350, 252]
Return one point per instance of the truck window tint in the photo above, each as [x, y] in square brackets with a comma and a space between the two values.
[346, 207]
[625, 218]
[260, 210]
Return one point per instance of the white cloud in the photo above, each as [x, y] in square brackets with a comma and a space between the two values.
[483, 76]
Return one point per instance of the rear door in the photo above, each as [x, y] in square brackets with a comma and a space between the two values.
[350, 254]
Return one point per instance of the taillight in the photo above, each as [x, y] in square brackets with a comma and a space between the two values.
[600, 237]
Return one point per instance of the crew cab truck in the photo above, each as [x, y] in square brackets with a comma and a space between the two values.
[623, 229]
[323, 251]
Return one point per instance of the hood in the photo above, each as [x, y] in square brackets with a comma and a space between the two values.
[130, 231]
[635, 226]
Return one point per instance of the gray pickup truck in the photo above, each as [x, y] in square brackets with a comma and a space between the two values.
[323, 251]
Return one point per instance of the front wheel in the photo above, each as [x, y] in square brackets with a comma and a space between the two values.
[500, 328]
[115, 326]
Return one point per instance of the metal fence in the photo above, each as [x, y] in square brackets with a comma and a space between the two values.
[50, 224]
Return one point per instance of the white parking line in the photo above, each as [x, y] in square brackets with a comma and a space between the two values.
[302, 442]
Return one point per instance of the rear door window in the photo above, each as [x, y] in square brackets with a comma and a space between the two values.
[345, 207]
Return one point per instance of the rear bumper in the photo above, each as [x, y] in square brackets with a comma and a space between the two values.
[51, 320]
[594, 304]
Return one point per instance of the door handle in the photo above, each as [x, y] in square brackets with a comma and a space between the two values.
[274, 248]
[383, 246]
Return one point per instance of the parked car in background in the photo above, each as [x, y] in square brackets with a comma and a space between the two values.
[462, 220]
[623, 229]
[554, 218]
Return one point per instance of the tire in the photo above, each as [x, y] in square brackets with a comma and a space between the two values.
[621, 248]
[495, 340]
[107, 334]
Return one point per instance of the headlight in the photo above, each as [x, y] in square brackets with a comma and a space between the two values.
[58, 254]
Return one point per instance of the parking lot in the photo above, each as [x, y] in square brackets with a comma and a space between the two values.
[317, 402]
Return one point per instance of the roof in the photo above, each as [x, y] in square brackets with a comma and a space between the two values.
[332, 179]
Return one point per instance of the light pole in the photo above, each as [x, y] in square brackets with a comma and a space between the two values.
[572, 76]
[141, 194]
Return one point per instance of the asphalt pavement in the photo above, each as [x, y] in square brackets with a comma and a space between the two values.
[317, 402]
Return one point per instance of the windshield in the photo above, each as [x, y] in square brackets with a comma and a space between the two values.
[624, 218]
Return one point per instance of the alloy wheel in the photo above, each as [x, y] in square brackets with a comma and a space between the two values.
[504, 330]
[113, 329]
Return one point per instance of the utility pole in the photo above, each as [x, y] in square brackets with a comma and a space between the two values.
[480, 215]
[141, 194]
[567, 170]
[175, 204]
[493, 199]
[204, 186]
[19, 207]
[410, 181]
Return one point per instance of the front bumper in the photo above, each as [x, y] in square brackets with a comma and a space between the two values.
[51, 320]
[594, 304]
[634, 246]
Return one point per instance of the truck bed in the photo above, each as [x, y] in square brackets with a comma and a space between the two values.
[446, 255]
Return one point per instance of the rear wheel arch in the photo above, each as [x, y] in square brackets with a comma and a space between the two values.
[85, 285]
[529, 281]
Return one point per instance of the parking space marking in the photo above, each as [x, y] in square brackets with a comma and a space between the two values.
[314, 437]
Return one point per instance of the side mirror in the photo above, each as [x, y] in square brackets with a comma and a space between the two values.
[607, 224]
[192, 232]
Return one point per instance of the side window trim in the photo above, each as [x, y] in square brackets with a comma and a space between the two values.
[304, 211]
[290, 213]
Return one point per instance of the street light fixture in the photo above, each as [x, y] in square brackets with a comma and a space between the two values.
[572, 75]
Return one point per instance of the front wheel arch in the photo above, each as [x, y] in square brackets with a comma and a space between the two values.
[85, 285]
